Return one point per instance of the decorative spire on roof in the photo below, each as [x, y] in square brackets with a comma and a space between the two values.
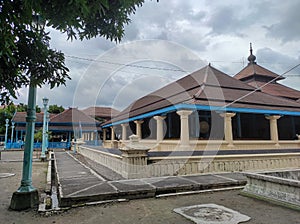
[251, 57]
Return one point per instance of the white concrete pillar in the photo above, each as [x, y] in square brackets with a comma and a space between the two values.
[92, 136]
[228, 127]
[124, 132]
[112, 133]
[159, 128]
[184, 128]
[104, 135]
[139, 128]
[273, 128]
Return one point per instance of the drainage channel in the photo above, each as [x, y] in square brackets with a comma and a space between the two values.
[50, 200]
[54, 196]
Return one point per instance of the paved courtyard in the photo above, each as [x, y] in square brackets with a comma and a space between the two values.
[151, 210]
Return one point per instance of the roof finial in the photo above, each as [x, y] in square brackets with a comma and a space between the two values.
[251, 57]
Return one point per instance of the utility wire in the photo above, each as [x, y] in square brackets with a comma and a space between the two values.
[180, 70]
[126, 65]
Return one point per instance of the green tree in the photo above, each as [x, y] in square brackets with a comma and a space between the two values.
[25, 54]
[6, 113]
[22, 107]
[54, 109]
[38, 136]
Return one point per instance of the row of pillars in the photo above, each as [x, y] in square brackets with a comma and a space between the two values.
[184, 128]
[90, 136]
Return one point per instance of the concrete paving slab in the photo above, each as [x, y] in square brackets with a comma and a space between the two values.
[234, 176]
[210, 181]
[171, 184]
[130, 189]
[102, 188]
[70, 187]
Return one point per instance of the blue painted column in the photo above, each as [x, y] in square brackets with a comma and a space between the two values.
[47, 131]
[27, 196]
[6, 130]
[12, 132]
[17, 135]
[44, 145]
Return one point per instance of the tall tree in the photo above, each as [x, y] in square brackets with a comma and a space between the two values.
[25, 54]
[54, 109]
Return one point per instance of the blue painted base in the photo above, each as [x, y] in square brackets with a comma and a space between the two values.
[24, 200]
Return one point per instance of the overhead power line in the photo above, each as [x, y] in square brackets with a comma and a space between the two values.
[127, 65]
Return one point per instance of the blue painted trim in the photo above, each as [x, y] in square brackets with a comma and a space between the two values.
[204, 107]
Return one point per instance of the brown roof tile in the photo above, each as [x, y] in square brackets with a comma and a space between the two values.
[72, 115]
[105, 112]
[21, 117]
[255, 69]
[277, 89]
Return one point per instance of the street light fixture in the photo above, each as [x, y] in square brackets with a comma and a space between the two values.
[27, 196]
[44, 144]
[6, 130]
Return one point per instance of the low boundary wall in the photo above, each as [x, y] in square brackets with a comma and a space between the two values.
[280, 187]
[187, 165]
[114, 162]
[219, 164]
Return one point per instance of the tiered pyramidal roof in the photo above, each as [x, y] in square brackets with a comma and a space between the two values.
[206, 87]
[260, 77]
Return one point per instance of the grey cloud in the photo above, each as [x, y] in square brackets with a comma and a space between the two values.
[131, 32]
[276, 61]
[288, 28]
[225, 21]
[196, 30]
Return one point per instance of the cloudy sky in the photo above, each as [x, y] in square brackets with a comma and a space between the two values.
[171, 38]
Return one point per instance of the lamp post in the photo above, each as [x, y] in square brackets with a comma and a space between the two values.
[12, 132]
[6, 130]
[27, 196]
[44, 144]
[47, 129]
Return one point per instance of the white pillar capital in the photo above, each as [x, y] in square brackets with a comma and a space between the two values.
[184, 113]
[161, 118]
[228, 114]
[139, 122]
[272, 117]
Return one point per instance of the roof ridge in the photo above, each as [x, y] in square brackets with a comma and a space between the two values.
[202, 86]
[59, 114]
